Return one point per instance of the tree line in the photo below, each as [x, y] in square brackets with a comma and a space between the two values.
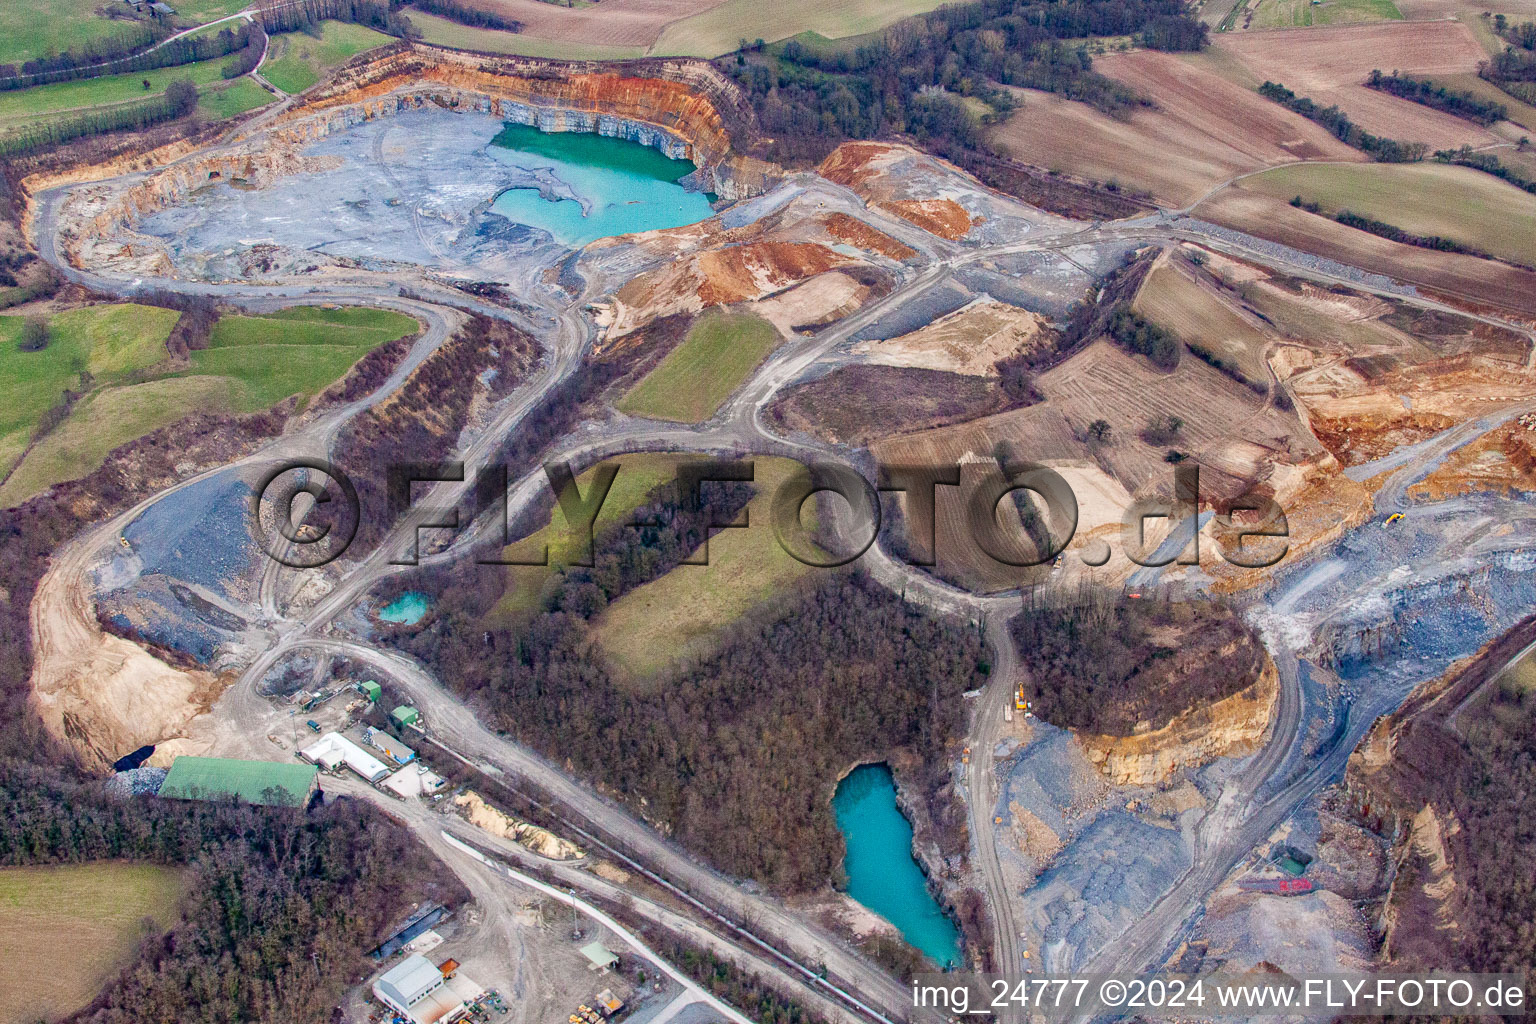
[913, 78]
[280, 907]
[466, 14]
[1458, 103]
[88, 63]
[1336, 121]
[122, 45]
[381, 15]
[735, 755]
[1466, 156]
[179, 100]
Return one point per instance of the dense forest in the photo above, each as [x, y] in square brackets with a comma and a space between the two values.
[281, 907]
[1458, 103]
[1108, 662]
[1336, 121]
[736, 755]
[915, 77]
[305, 14]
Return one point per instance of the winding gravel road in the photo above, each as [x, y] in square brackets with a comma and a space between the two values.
[63, 614]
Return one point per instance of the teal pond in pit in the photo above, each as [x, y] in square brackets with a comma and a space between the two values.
[628, 187]
[407, 609]
[882, 875]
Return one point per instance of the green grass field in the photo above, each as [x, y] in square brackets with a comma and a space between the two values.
[1301, 13]
[251, 364]
[236, 98]
[196, 11]
[107, 341]
[690, 383]
[720, 31]
[297, 351]
[32, 28]
[1458, 203]
[442, 32]
[66, 930]
[297, 61]
[686, 613]
[24, 106]
[106, 419]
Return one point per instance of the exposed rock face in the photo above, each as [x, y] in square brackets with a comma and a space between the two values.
[725, 275]
[687, 109]
[1231, 727]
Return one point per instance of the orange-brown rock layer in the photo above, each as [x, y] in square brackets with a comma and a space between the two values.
[1231, 727]
[860, 235]
[943, 217]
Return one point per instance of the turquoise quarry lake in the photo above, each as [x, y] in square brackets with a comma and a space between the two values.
[407, 609]
[628, 187]
[881, 872]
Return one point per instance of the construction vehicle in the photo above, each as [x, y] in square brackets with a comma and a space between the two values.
[313, 725]
[1394, 517]
[1019, 703]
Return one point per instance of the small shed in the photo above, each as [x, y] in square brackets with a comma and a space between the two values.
[370, 689]
[599, 956]
[405, 715]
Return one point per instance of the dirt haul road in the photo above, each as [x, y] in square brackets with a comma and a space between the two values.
[739, 427]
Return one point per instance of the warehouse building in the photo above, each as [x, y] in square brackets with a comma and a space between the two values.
[333, 750]
[269, 783]
[393, 749]
[424, 993]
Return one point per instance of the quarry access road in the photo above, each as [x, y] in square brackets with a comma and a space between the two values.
[738, 427]
[759, 923]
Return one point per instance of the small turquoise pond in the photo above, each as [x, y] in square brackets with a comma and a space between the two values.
[629, 187]
[407, 609]
[881, 872]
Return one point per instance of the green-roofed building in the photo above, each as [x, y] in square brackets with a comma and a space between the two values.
[272, 783]
[405, 715]
[370, 689]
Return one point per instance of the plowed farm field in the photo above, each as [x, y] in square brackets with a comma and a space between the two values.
[1205, 130]
[611, 23]
[1330, 65]
[1466, 278]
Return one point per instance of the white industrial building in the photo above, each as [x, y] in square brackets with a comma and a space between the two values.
[334, 749]
[420, 991]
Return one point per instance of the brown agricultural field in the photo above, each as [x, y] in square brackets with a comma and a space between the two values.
[1204, 131]
[611, 23]
[1464, 279]
[857, 404]
[1330, 65]
[1234, 435]
[1186, 300]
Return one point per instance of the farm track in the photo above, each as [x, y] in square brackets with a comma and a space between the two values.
[62, 614]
